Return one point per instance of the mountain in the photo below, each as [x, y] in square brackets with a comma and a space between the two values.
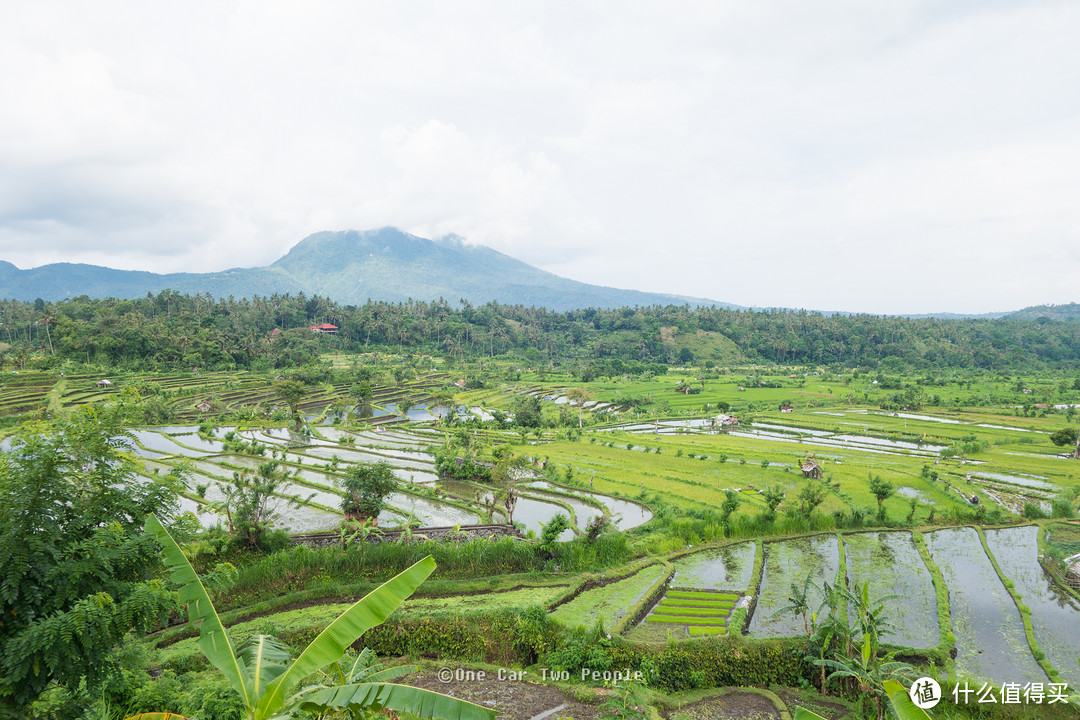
[349, 267]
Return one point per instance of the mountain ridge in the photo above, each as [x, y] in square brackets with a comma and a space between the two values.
[388, 264]
[349, 267]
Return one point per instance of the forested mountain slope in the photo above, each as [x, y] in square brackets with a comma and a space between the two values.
[347, 267]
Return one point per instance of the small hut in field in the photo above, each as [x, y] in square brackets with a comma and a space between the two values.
[810, 467]
[1072, 571]
[103, 383]
[204, 406]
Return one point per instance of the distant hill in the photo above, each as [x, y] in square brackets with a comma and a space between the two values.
[959, 316]
[1069, 312]
[349, 267]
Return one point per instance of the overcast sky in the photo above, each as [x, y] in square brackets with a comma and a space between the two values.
[887, 157]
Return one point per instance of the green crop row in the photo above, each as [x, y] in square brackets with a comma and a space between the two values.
[700, 595]
[684, 602]
[683, 610]
[684, 620]
[697, 630]
[702, 612]
[947, 644]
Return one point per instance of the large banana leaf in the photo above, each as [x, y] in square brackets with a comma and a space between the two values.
[902, 704]
[330, 645]
[401, 698]
[804, 714]
[213, 640]
[262, 658]
[392, 673]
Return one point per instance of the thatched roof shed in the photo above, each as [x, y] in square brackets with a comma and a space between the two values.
[1072, 570]
[810, 467]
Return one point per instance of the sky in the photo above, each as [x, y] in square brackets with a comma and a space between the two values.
[899, 157]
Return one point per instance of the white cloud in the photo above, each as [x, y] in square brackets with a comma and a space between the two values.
[901, 157]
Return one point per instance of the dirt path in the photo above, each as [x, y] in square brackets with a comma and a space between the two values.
[53, 401]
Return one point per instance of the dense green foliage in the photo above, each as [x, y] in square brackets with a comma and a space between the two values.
[514, 638]
[300, 568]
[75, 567]
[251, 500]
[199, 331]
[366, 487]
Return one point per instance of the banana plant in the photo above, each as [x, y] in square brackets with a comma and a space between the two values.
[902, 705]
[363, 669]
[266, 678]
[869, 671]
[799, 602]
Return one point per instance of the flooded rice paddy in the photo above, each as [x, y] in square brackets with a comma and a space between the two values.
[1055, 615]
[725, 568]
[789, 563]
[990, 638]
[890, 564]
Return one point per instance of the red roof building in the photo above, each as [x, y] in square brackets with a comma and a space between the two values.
[325, 328]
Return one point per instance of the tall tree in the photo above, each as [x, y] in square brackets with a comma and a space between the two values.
[292, 392]
[506, 474]
[75, 567]
[882, 490]
[579, 396]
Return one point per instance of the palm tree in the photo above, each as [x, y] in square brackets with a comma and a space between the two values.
[364, 669]
[832, 629]
[264, 675]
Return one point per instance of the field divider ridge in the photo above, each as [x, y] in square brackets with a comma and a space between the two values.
[947, 644]
[1025, 612]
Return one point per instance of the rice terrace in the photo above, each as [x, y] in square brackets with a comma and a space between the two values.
[719, 535]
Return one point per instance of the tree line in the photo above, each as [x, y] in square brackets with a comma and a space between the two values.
[172, 330]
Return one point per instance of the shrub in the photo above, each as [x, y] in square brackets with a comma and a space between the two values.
[1032, 511]
[366, 486]
[1062, 508]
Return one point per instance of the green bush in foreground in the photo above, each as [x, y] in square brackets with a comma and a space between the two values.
[261, 672]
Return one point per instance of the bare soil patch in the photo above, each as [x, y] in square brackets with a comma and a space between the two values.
[514, 699]
[731, 706]
[825, 708]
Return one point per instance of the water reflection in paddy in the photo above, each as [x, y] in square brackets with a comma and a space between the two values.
[990, 638]
[1055, 615]
[724, 568]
